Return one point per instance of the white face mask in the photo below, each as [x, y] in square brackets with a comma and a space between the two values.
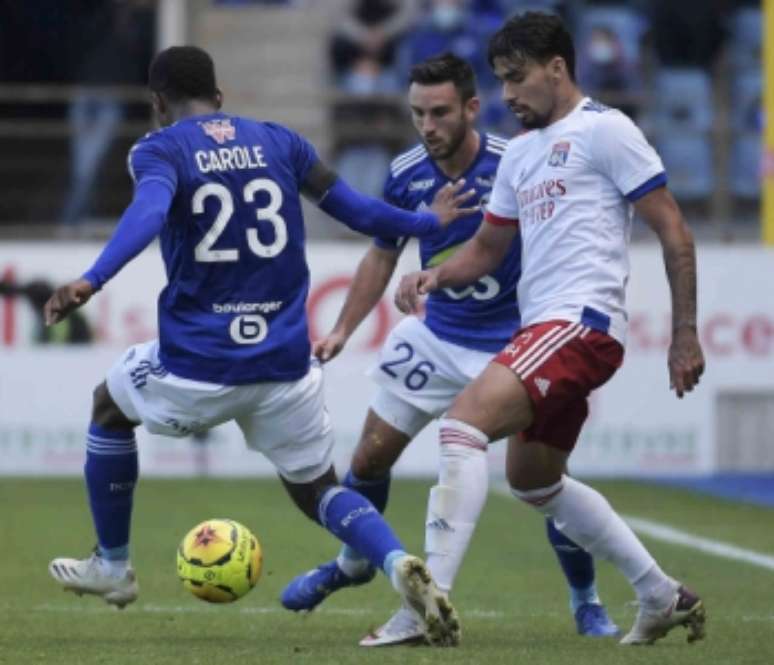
[602, 51]
[446, 17]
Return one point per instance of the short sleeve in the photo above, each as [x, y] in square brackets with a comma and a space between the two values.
[149, 160]
[620, 151]
[503, 202]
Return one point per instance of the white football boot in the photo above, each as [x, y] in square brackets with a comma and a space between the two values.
[413, 581]
[403, 627]
[93, 577]
[685, 609]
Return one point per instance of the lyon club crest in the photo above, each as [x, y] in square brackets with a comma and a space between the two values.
[559, 154]
[220, 130]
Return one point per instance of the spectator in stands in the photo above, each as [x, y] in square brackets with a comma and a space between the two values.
[687, 33]
[114, 41]
[362, 49]
[362, 53]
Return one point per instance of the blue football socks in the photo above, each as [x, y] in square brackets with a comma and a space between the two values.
[578, 567]
[355, 521]
[111, 472]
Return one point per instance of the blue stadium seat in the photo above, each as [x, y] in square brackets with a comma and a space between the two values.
[746, 101]
[746, 38]
[688, 162]
[683, 99]
[745, 166]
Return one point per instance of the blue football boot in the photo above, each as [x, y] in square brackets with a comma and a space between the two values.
[591, 620]
[307, 591]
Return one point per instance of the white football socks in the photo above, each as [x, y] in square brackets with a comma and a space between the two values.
[585, 516]
[456, 502]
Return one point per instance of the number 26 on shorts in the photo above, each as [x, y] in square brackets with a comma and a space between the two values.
[419, 373]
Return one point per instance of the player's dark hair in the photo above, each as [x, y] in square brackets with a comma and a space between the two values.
[444, 68]
[183, 72]
[535, 36]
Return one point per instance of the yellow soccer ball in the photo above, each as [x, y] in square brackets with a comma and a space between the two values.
[219, 560]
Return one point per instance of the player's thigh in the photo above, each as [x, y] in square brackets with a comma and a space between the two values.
[390, 425]
[105, 411]
[496, 403]
[290, 425]
[145, 392]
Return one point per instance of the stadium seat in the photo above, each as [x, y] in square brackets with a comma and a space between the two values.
[745, 166]
[688, 162]
[746, 38]
[683, 99]
[746, 101]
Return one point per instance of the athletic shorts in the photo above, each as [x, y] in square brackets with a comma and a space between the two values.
[286, 421]
[560, 363]
[423, 371]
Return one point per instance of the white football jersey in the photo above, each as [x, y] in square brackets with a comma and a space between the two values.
[571, 185]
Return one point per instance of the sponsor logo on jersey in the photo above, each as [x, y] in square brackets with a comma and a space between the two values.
[559, 154]
[542, 385]
[421, 185]
[485, 182]
[219, 130]
[247, 307]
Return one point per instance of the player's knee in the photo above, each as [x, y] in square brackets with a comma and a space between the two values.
[106, 413]
[308, 495]
[367, 466]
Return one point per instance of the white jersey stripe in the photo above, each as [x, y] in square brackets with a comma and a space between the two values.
[539, 343]
[396, 172]
[545, 346]
[420, 149]
[537, 362]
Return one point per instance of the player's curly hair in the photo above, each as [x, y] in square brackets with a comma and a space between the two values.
[183, 72]
[533, 36]
[443, 68]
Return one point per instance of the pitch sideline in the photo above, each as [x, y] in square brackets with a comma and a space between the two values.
[674, 536]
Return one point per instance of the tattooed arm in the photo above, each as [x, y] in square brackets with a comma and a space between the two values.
[686, 361]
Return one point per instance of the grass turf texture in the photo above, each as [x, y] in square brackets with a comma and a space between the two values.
[510, 593]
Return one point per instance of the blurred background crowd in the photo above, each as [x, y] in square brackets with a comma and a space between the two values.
[72, 96]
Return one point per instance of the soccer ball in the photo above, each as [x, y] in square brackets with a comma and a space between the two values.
[219, 560]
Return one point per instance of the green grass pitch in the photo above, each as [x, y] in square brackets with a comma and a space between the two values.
[510, 593]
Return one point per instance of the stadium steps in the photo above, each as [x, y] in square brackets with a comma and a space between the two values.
[270, 63]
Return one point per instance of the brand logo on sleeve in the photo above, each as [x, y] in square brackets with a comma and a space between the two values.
[219, 130]
[559, 154]
[421, 185]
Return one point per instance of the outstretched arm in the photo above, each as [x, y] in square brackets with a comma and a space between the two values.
[371, 278]
[139, 225]
[476, 258]
[686, 361]
[377, 218]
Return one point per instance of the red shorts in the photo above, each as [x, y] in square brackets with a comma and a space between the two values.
[560, 363]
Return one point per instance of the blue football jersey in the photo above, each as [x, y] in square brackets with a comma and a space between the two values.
[233, 309]
[482, 316]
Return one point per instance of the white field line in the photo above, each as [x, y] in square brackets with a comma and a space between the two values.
[204, 609]
[669, 534]
[718, 548]
[83, 608]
